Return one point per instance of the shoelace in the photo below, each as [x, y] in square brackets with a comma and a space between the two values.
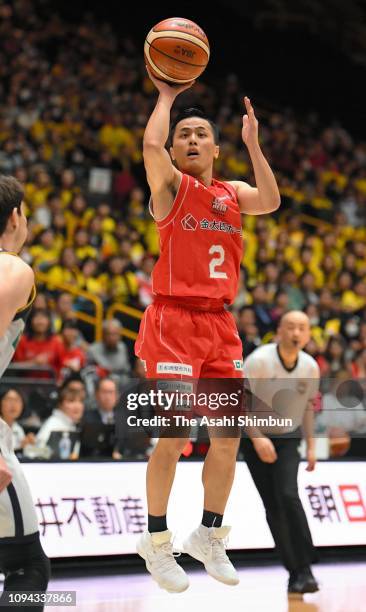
[167, 557]
[217, 546]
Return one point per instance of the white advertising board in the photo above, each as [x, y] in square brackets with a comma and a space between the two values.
[88, 509]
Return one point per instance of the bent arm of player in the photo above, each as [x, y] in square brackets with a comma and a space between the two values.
[162, 176]
[308, 432]
[265, 197]
[15, 288]
[308, 422]
[263, 446]
[5, 475]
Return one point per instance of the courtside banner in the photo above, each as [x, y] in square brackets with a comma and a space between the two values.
[87, 509]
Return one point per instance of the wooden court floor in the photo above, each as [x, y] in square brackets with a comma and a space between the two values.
[261, 589]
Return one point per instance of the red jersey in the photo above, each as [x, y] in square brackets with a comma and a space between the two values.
[74, 357]
[29, 348]
[201, 243]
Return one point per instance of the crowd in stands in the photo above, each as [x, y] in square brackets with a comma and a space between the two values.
[75, 99]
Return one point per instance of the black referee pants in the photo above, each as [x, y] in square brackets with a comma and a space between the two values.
[277, 486]
[26, 568]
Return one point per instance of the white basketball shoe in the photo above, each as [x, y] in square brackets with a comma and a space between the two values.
[157, 551]
[207, 544]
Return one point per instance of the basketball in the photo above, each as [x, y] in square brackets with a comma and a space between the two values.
[176, 50]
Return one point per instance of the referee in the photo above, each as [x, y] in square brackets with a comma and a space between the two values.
[22, 558]
[286, 379]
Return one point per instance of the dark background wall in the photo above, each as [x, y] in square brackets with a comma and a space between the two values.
[303, 54]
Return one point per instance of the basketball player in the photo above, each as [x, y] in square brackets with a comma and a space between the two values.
[22, 558]
[187, 332]
[287, 379]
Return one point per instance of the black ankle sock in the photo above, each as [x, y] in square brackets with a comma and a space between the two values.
[156, 523]
[211, 519]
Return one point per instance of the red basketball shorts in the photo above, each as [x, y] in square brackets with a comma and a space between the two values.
[201, 351]
[182, 343]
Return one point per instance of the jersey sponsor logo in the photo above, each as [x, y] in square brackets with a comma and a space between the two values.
[238, 364]
[189, 223]
[219, 226]
[164, 367]
[218, 206]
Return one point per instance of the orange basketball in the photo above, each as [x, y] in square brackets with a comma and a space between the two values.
[176, 50]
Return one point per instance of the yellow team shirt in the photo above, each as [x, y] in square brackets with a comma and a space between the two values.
[351, 300]
[114, 137]
[86, 251]
[95, 286]
[120, 287]
[58, 275]
[41, 255]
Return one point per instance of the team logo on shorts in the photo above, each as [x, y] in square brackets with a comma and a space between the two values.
[174, 368]
[189, 223]
[238, 364]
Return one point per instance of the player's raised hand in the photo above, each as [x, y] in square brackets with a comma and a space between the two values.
[165, 88]
[250, 125]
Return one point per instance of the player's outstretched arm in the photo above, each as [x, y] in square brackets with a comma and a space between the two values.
[161, 174]
[265, 197]
[16, 282]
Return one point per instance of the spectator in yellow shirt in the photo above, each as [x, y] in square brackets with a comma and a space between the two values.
[44, 253]
[354, 299]
[68, 187]
[58, 224]
[36, 193]
[67, 271]
[114, 136]
[329, 269]
[82, 246]
[90, 279]
[120, 283]
[103, 211]
[77, 215]
[63, 309]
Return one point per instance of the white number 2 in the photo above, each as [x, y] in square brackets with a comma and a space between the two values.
[217, 261]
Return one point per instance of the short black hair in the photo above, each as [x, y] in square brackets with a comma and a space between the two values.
[11, 196]
[193, 112]
[100, 381]
[73, 377]
[4, 392]
[29, 328]
[67, 394]
[69, 324]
